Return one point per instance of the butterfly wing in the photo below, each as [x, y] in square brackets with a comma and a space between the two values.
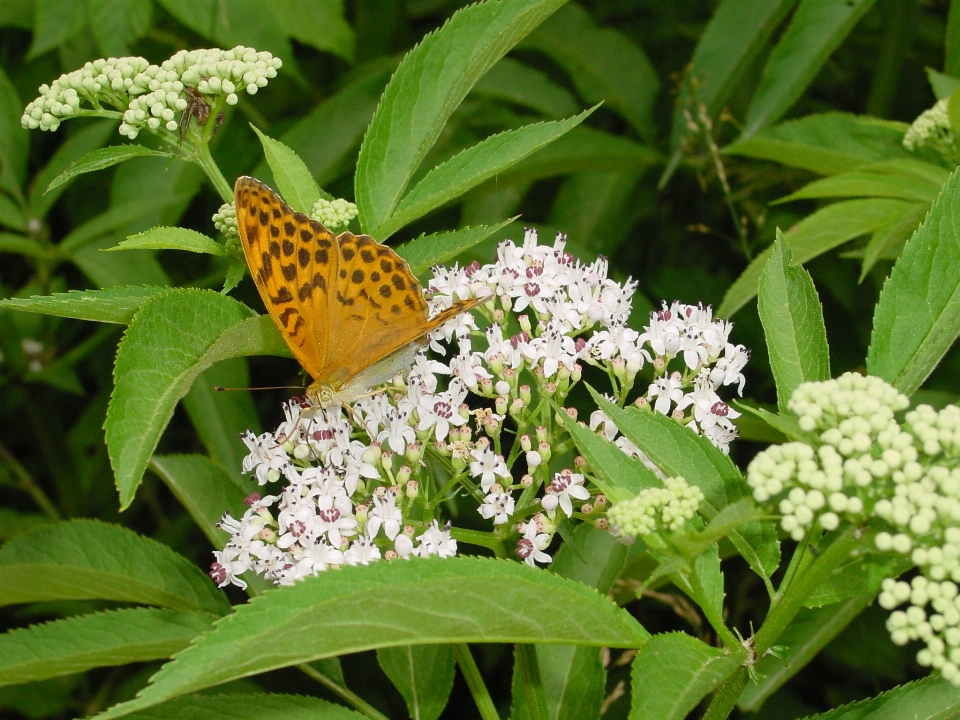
[380, 305]
[291, 258]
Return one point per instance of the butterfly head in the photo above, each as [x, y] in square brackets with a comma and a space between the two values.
[322, 395]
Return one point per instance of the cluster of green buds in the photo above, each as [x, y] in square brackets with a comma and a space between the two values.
[334, 213]
[656, 510]
[150, 96]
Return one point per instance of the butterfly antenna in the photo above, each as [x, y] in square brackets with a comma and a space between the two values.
[220, 388]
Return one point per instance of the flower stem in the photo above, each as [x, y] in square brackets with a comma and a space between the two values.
[532, 682]
[471, 673]
[725, 699]
[480, 538]
[348, 696]
[205, 160]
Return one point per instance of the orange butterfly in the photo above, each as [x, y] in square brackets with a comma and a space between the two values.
[349, 308]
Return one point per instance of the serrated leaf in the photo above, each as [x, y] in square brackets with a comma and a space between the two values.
[171, 238]
[115, 305]
[678, 451]
[427, 87]
[104, 158]
[827, 144]
[41, 197]
[452, 600]
[236, 270]
[13, 523]
[423, 675]
[595, 58]
[867, 184]
[106, 270]
[88, 559]
[816, 29]
[471, 167]
[619, 476]
[932, 698]
[116, 217]
[426, 251]
[673, 672]
[887, 238]
[205, 489]
[816, 234]
[294, 181]
[861, 575]
[512, 81]
[165, 347]
[79, 643]
[916, 320]
[254, 706]
[792, 323]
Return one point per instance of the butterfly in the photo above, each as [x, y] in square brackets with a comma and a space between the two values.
[349, 308]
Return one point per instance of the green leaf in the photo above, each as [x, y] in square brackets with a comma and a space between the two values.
[867, 184]
[792, 324]
[786, 424]
[423, 674]
[808, 633]
[104, 158]
[219, 417]
[115, 24]
[13, 523]
[236, 271]
[55, 21]
[294, 181]
[951, 61]
[166, 346]
[470, 168]
[826, 144]
[427, 87]
[816, 234]
[204, 488]
[14, 139]
[932, 698]
[863, 574]
[102, 639]
[341, 121]
[678, 451]
[172, 238]
[889, 237]
[116, 305]
[595, 59]
[619, 476]
[258, 706]
[942, 84]
[11, 215]
[42, 197]
[673, 672]
[426, 251]
[583, 149]
[10, 243]
[118, 216]
[916, 320]
[451, 600]
[816, 29]
[89, 559]
[737, 31]
[318, 23]
[514, 82]
[105, 270]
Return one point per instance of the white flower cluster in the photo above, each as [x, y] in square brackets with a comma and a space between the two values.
[653, 510]
[152, 95]
[904, 476]
[372, 473]
[932, 129]
[939, 629]
[109, 82]
[334, 213]
[844, 478]
[196, 76]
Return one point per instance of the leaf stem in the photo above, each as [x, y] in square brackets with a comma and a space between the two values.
[471, 673]
[532, 682]
[29, 485]
[348, 696]
[725, 699]
[205, 160]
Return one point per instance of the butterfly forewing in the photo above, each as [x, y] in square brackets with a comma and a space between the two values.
[290, 257]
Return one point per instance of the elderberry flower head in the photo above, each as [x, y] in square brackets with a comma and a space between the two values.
[334, 213]
[653, 510]
[932, 129]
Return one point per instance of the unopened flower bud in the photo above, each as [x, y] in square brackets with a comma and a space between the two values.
[577, 373]
[533, 459]
[525, 394]
[498, 315]
[403, 475]
[524, 321]
[642, 403]
[412, 489]
[268, 535]
[586, 508]
[390, 554]
[603, 523]
[526, 480]
[677, 414]
[601, 501]
[441, 447]
[506, 303]
[409, 531]
[658, 364]
[525, 443]
[579, 464]
[360, 512]
[546, 452]
[386, 460]
[516, 407]
[412, 453]
[301, 452]
[619, 370]
[486, 386]
[372, 454]
[550, 389]
[541, 433]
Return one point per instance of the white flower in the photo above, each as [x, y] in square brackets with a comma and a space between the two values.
[667, 390]
[435, 541]
[385, 514]
[317, 557]
[565, 485]
[497, 505]
[442, 410]
[532, 545]
[361, 552]
[398, 432]
[266, 456]
[488, 466]
[334, 524]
